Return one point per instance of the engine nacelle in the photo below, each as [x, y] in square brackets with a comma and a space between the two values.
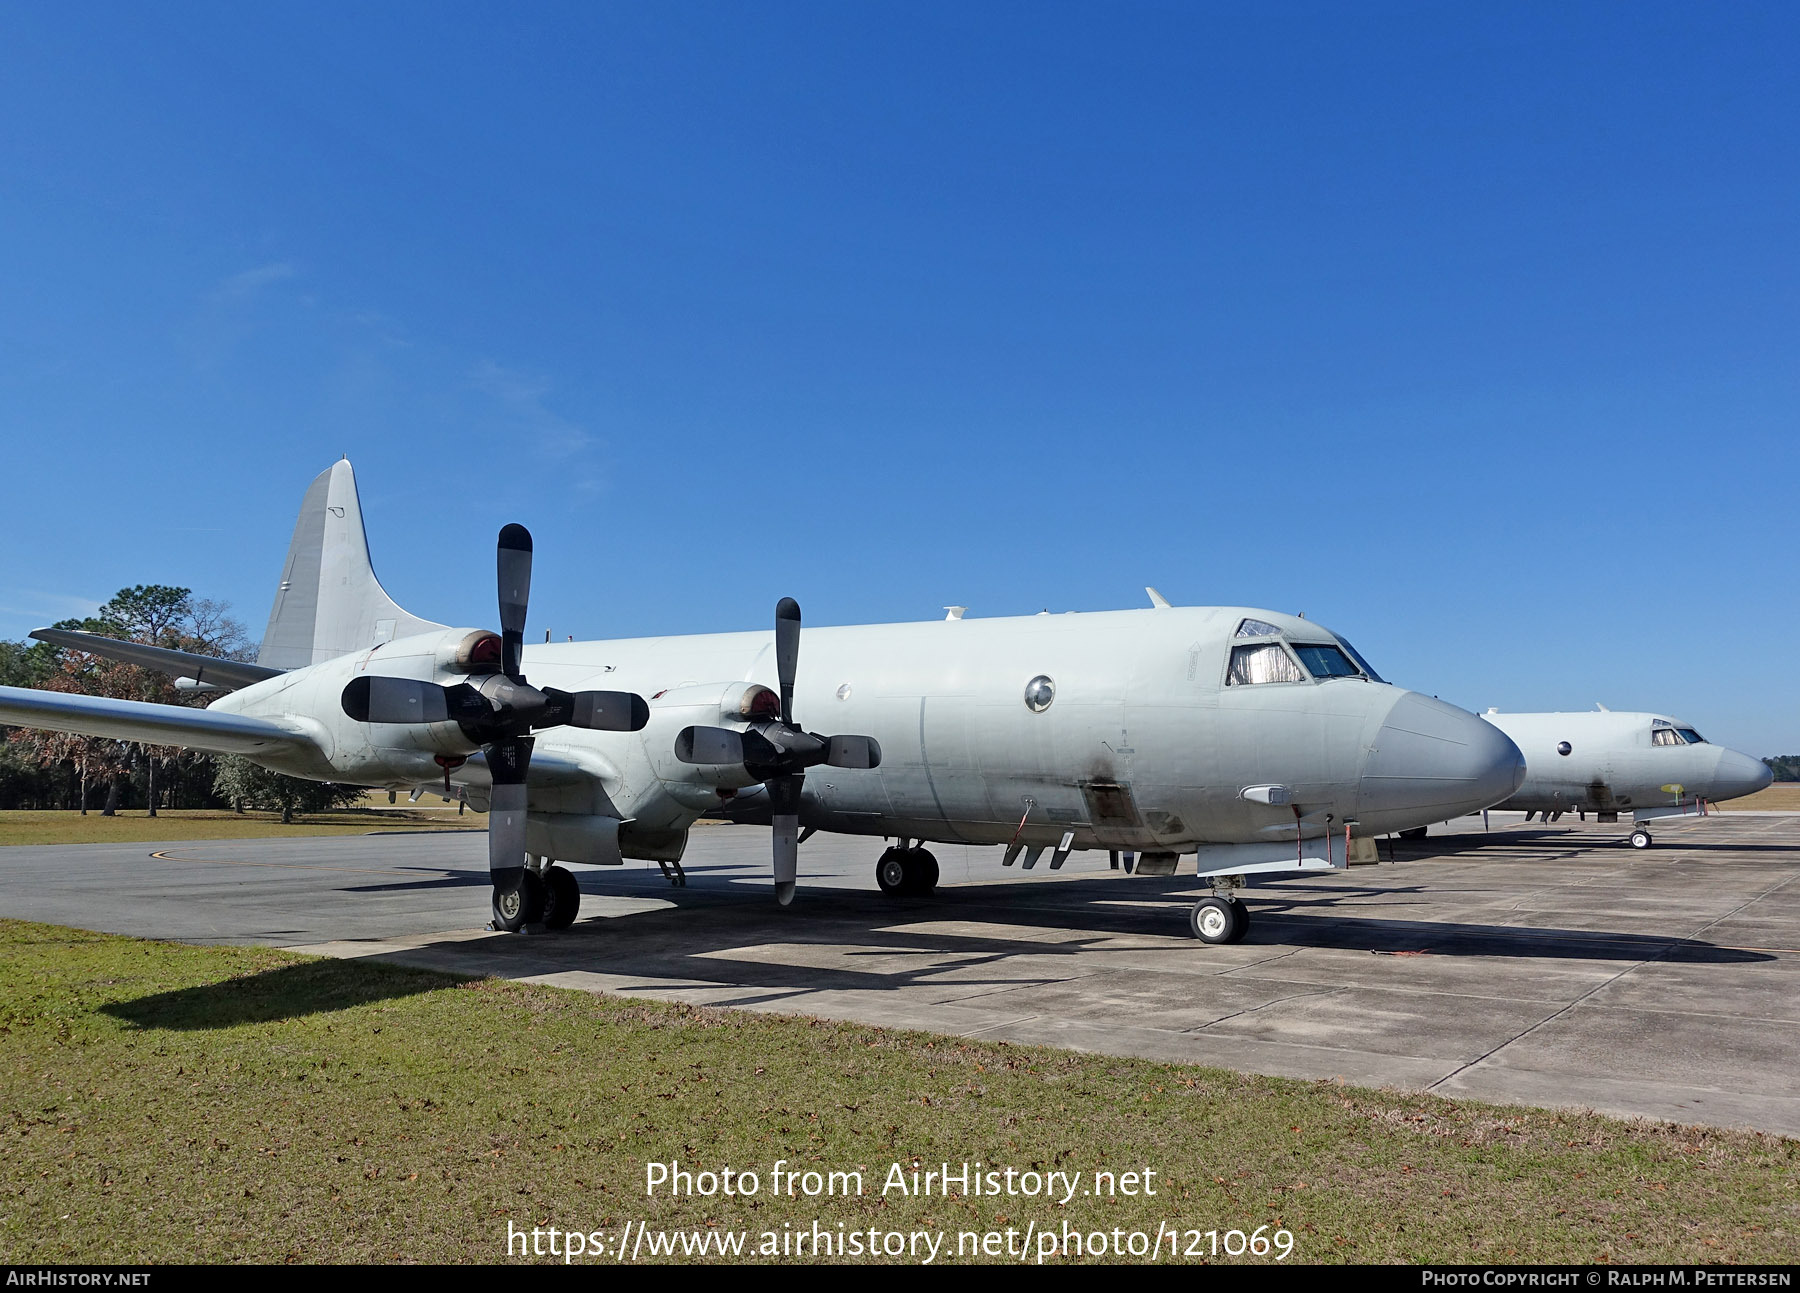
[735, 705]
[379, 754]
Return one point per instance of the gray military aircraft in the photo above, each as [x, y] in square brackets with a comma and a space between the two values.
[1605, 763]
[1256, 741]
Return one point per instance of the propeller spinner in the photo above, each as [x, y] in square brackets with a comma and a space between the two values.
[499, 712]
[777, 752]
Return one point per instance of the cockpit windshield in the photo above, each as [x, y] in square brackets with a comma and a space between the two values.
[1691, 736]
[1360, 662]
[1663, 734]
[1325, 661]
[1263, 663]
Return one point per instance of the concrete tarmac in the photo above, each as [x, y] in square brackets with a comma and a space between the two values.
[1544, 965]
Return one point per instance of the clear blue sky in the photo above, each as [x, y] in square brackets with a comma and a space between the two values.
[1470, 331]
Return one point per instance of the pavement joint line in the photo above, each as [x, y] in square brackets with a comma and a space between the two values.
[1607, 983]
[1251, 1010]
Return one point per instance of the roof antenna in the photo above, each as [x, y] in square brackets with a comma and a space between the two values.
[1602, 708]
[1157, 599]
[954, 612]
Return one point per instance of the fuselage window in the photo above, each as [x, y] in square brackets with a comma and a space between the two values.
[1325, 661]
[1665, 736]
[1266, 663]
[1691, 736]
[1257, 629]
[1361, 663]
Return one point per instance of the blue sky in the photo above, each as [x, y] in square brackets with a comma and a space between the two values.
[1470, 332]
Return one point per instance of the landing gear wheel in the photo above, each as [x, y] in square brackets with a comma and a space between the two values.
[891, 871]
[562, 898]
[1416, 833]
[907, 872]
[1219, 920]
[1640, 838]
[519, 903]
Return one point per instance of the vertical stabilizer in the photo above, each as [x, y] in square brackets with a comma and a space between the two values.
[330, 603]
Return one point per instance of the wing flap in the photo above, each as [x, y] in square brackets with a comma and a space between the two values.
[133, 720]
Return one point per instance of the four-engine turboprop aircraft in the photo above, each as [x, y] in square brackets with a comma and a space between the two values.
[1602, 762]
[1257, 741]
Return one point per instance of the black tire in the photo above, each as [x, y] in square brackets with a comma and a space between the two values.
[519, 903]
[1416, 833]
[892, 872]
[925, 872]
[1640, 839]
[562, 898]
[1218, 920]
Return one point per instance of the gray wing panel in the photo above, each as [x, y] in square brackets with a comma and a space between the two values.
[329, 603]
[177, 664]
[132, 720]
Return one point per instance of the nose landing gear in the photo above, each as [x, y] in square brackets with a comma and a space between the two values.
[1221, 917]
[1640, 838]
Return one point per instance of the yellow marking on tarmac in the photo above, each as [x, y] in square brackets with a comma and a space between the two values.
[165, 856]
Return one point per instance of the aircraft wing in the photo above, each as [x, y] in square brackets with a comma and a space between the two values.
[177, 664]
[132, 720]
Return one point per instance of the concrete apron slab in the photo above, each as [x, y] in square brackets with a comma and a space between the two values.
[1552, 967]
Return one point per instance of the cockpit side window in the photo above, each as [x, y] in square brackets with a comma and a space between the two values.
[1267, 662]
[1325, 661]
[1665, 736]
[1692, 737]
[1256, 629]
[1360, 662]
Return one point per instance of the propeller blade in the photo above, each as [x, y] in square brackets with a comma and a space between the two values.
[709, 745]
[854, 752]
[784, 799]
[787, 653]
[513, 566]
[374, 699]
[600, 711]
[508, 762]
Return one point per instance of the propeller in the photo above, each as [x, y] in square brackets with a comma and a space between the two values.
[777, 752]
[499, 712]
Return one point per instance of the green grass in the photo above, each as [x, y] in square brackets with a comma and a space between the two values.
[164, 1102]
[132, 826]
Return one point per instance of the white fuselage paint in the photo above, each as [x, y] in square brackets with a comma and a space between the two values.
[1144, 746]
[1614, 764]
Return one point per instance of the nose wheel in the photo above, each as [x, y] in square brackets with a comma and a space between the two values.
[1640, 838]
[1217, 919]
[906, 872]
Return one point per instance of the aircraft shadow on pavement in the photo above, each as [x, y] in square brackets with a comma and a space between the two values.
[726, 940]
[286, 992]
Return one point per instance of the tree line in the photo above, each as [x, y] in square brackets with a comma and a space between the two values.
[68, 771]
[1786, 767]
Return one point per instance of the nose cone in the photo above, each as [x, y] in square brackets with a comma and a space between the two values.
[1738, 775]
[1432, 762]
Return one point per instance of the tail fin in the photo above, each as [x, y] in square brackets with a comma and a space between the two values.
[330, 603]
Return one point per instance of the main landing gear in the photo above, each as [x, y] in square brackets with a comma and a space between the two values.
[906, 871]
[543, 894]
[1221, 916]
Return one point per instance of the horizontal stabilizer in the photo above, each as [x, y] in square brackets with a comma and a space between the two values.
[226, 674]
[133, 720]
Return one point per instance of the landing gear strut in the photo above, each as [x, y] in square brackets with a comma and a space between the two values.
[906, 871]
